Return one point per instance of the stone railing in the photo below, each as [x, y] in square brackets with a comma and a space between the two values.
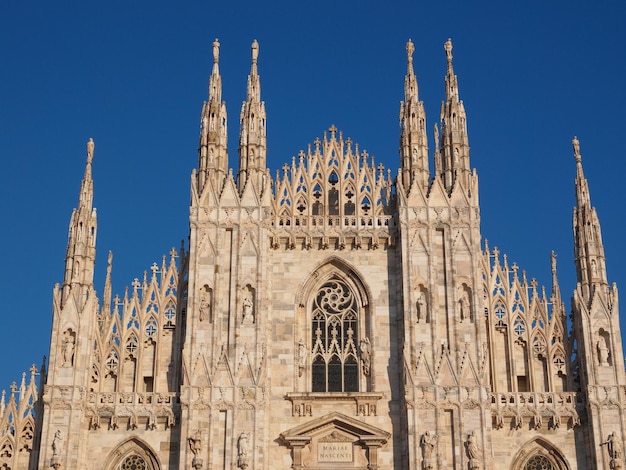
[537, 408]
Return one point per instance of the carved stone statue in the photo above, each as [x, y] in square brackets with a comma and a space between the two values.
[603, 352]
[421, 307]
[205, 305]
[195, 446]
[366, 355]
[428, 443]
[472, 451]
[68, 349]
[195, 443]
[56, 443]
[242, 450]
[90, 148]
[576, 145]
[614, 449]
[464, 308]
[248, 317]
[301, 357]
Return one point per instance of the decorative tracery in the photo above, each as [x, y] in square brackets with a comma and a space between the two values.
[335, 336]
[134, 462]
[139, 324]
[526, 329]
[333, 185]
[539, 462]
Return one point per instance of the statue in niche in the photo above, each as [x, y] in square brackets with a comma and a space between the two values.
[301, 357]
[68, 349]
[421, 307]
[472, 451]
[464, 307]
[248, 316]
[428, 443]
[614, 448]
[56, 443]
[195, 443]
[594, 268]
[603, 352]
[242, 450]
[195, 446]
[205, 305]
[366, 355]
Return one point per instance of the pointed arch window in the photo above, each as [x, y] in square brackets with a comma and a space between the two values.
[335, 333]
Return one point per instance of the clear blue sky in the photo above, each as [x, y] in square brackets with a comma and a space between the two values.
[133, 75]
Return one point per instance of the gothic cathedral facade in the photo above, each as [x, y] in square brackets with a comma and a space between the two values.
[334, 316]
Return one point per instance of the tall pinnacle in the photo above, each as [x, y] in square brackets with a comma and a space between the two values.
[252, 136]
[213, 154]
[81, 245]
[85, 199]
[254, 84]
[588, 247]
[452, 162]
[413, 139]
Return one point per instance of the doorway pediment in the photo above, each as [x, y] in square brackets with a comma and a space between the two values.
[335, 441]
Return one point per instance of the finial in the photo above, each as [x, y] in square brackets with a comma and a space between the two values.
[255, 51]
[576, 145]
[216, 51]
[410, 49]
[90, 147]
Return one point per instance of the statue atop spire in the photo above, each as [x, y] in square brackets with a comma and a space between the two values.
[90, 147]
[255, 51]
[410, 49]
[576, 146]
[216, 51]
[448, 48]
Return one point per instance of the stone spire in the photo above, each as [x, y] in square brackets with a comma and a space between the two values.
[252, 136]
[452, 163]
[81, 246]
[213, 152]
[588, 247]
[413, 139]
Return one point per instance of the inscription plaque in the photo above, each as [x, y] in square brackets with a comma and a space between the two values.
[334, 452]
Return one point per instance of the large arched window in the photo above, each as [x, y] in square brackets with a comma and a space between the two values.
[335, 336]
